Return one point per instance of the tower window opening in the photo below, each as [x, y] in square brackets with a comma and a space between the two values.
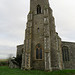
[38, 9]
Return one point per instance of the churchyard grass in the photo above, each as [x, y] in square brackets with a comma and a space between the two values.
[5, 70]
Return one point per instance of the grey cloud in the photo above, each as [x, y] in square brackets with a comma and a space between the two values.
[64, 13]
[6, 51]
[13, 18]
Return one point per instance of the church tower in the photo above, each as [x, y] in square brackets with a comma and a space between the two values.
[42, 45]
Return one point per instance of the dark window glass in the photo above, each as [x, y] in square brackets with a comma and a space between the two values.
[38, 52]
[38, 9]
[65, 53]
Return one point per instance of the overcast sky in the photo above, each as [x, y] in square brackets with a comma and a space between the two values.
[13, 18]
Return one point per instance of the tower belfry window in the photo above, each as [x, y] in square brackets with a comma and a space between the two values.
[38, 9]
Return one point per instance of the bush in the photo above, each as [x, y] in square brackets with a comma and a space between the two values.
[3, 63]
[19, 60]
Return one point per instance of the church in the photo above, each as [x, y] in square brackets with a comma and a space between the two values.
[43, 49]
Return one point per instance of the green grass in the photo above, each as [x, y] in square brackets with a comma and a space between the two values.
[4, 70]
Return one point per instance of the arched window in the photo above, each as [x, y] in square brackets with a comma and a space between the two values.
[65, 53]
[38, 9]
[38, 52]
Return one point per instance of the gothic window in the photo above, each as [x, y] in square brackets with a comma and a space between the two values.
[65, 53]
[38, 52]
[38, 9]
